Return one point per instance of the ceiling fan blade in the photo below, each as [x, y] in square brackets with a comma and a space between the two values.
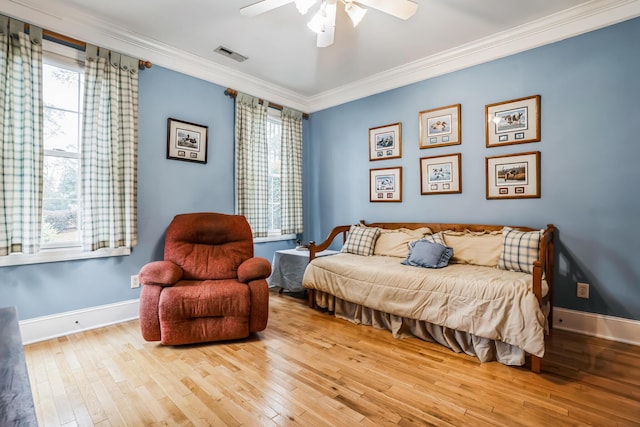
[262, 7]
[403, 9]
[325, 38]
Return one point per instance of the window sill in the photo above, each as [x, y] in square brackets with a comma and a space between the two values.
[274, 238]
[56, 255]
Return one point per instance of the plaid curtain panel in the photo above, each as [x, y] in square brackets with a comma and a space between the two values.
[252, 163]
[109, 152]
[21, 148]
[291, 183]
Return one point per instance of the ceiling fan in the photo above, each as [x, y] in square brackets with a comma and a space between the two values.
[323, 22]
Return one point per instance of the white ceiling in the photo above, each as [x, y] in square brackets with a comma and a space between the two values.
[284, 64]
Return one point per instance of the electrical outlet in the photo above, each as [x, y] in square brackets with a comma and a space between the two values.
[583, 290]
[134, 281]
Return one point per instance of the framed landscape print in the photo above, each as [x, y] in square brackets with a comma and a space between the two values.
[385, 142]
[440, 127]
[513, 122]
[385, 184]
[440, 174]
[186, 141]
[513, 176]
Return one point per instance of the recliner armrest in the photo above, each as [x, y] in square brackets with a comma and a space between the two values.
[253, 269]
[160, 273]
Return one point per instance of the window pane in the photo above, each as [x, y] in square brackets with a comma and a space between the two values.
[60, 87]
[274, 128]
[60, 200]
[60, 130]
[275, 203]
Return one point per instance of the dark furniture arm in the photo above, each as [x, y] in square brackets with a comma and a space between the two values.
[16, 401]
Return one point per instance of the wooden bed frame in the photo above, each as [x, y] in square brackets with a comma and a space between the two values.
[543, 267]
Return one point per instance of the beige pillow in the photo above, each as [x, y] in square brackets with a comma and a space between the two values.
[475, 248]
[395, 242]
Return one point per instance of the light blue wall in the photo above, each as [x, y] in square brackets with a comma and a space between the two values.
[165, 188]
[590, 89]
[590, 126]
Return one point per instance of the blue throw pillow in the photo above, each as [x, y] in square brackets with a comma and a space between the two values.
[424, 253]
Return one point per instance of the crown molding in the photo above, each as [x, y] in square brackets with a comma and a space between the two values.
[62, 18]
[568, 23]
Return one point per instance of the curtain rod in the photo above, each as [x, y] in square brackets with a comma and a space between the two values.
[80, 44]
[232, 93]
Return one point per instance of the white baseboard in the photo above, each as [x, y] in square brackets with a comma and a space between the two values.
[71, 322]
[597, 325]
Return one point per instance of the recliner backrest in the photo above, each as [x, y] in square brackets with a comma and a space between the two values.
[208, 245]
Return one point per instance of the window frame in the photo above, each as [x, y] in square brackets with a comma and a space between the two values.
[60, 55]
[274, 115]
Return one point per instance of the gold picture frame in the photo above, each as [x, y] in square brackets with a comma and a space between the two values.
[513, 122]
[385, 184]
[441, 174]
[385, 142]
[440, 127]
[513, 176]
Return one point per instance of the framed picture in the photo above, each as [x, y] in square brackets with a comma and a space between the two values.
[440, 126]
[440, 174]
[186, 141]
[513, 176]
[513, 122]
[385, 142]
[385, 184]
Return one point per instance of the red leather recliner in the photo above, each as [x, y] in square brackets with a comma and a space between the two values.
[209, 287]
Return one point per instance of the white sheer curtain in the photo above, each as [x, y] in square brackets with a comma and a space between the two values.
[21, 148]
[291, 181]
[109, 154]
[252, 163]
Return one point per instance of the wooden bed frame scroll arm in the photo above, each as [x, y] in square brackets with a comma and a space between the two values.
[315, 248]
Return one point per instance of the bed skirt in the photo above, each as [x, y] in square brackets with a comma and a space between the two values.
[484, 349]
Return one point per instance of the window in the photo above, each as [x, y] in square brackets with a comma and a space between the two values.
[62, 86]
[104, 222]
[274, 138]
[268, 168]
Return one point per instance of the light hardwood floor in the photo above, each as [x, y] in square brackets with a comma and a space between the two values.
[311, 369]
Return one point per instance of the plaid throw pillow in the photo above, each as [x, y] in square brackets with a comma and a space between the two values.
[435, 238]
[519, 249]
[361, 240]
[432, 238]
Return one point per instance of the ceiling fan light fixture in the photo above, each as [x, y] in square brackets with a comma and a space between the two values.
[303, 6]
[355, 12]
[318, 22]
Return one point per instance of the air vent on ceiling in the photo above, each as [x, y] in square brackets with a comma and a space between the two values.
[230, 54]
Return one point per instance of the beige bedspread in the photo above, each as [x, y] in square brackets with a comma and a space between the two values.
[483, 301]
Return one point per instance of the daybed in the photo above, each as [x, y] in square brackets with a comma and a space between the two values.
[491, 300]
